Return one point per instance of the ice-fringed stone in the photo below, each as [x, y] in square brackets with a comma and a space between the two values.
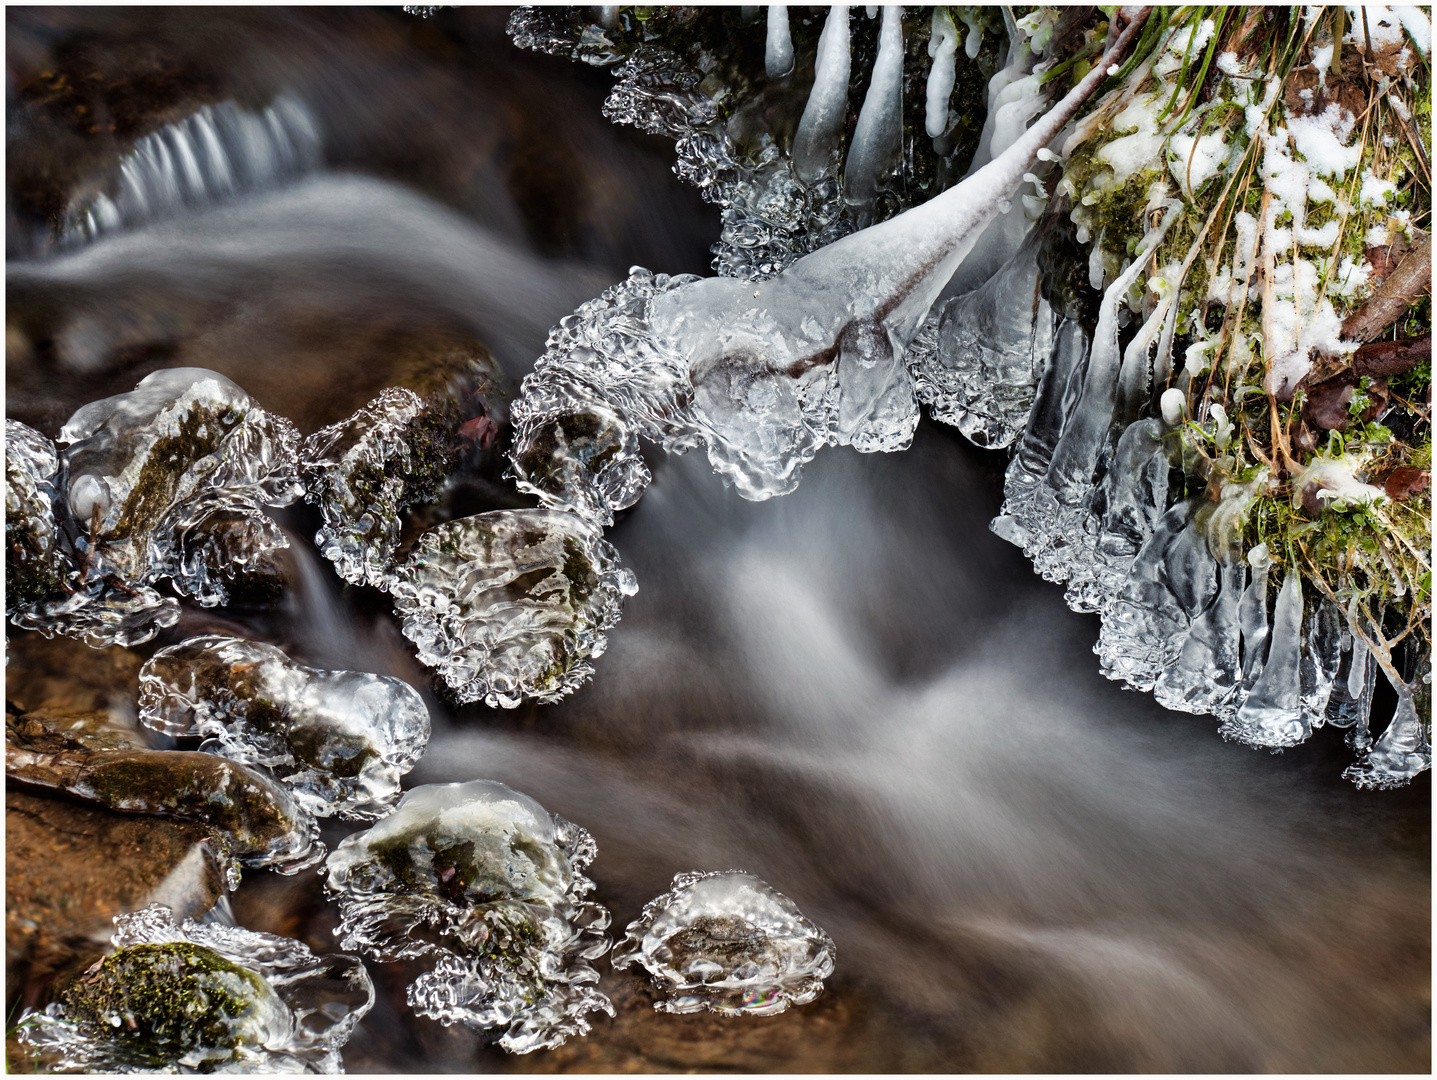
[511, 604]
[1272, 715]
[340, 740]
[1401, 752]
[190, 997]
[978, 358]
[45, 588]
[395, 452]
[147, 468]
[36, 565]
[490, 885]
[729, 943]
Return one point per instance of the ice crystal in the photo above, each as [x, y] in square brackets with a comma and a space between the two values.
[340, 740]
[191, 997]
[729, 943]
[511, 604]
[490, 885]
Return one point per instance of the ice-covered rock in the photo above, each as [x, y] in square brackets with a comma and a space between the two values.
[394, 453]
[511, 604]
[190, 997]
[490, 885]
[729, 943]
[340, 740]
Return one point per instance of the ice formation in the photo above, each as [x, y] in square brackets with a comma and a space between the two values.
[169, 480]
[340, 740]
[490, 885]
[511, 604]
[876, 154]
[191, 997]
[762, 374]
[820, 129]
[729, 943]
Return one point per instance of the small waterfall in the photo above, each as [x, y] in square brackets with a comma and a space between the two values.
[216, 152]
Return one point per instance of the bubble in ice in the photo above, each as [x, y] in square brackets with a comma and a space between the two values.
[340, 740]
[190, 997]
[511, 604]
[490, 885]
[729, 943]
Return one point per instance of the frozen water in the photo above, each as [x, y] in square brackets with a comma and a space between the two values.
[45, 587]
[820, 129]
[511, 604]
[778, 48]
[340, 740]
[395, 452]
[201, 997]
[942, 48]
[729, 943]
[36, 566]
[490, 884]
[1272, 713]
[176, 472]
[978, 358]
[877, 150]
[1400, 752]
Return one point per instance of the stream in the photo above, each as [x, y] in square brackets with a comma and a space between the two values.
[856, 692]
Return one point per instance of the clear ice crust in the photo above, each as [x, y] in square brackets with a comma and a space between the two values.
[726, 942]
[191, 997]
[511, 604]
[490, 885]
[340, 740]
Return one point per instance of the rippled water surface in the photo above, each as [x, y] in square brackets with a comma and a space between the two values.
[855, 692]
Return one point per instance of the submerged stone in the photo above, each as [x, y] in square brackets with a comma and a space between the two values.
[511, 604]
[728, 943]
[340, 740]
[184, 997]
[489, 884]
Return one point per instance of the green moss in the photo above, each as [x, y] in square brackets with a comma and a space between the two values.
[168, 463]
[174, 996]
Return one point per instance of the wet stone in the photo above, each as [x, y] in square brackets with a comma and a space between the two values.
[261, 823]
[511, 604]
[68, 675]
[70, 868]
[35, 564]
[728, 943]
[340, 740]
[184, 997]
[488, 884]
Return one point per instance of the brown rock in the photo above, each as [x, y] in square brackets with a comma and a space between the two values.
[65, 674]
[70, 869]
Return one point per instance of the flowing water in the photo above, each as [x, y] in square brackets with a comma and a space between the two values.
[855, 692]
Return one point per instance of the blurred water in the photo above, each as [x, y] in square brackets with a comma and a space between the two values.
[855, 692]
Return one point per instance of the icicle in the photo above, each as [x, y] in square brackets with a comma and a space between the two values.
[1252, 614]
[1137, 488]
[1321, 660]
[1076, 455]
[609, 16]
[877, 147]
[1351, 700]
[973, 40]
[942, 47]
[815, 146]
[1060, 388]
[1133, 378]
[1272, 714]
[778, 52]
[1141, 630]
[1400, 753]
[978, 359]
